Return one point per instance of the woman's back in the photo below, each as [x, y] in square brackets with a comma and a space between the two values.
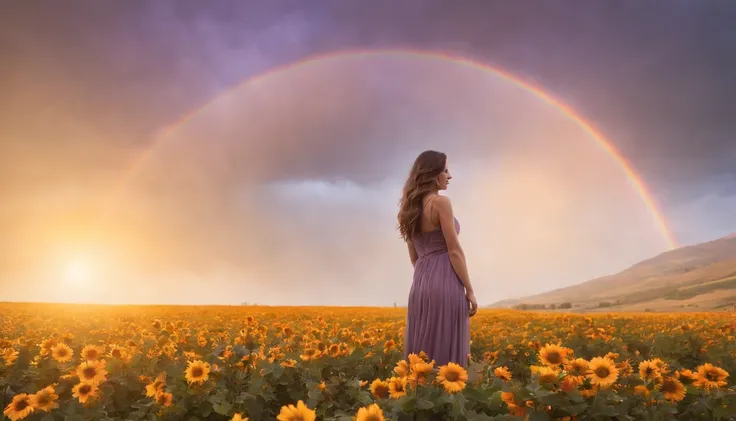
[431, 242]
[438, 313]
[437, 320]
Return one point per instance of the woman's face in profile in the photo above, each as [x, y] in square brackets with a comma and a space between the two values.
[444, 179]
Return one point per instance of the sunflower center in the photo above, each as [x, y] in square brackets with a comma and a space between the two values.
[21, 405]
[89, 372]
[85, 388]
[116, 353]
[372, 417]
[602, 372]
[668, 386]
[197, 372]
[91, 355]
[451, 376]
[382, 391]
[554, 357]
[712, 376]
[42, 399]
[62, 352]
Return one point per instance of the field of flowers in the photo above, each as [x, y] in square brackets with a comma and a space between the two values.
[74, 362]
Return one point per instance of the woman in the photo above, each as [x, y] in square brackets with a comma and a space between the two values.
[441, 299]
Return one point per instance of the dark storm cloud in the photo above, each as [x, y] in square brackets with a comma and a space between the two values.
[653, 78]
[667, 67]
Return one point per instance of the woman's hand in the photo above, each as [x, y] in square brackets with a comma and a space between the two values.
[470, 296]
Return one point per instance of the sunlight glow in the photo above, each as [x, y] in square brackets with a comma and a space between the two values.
[78, 272]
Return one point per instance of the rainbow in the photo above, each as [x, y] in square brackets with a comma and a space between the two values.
[632, 176]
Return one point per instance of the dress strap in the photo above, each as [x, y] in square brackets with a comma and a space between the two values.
[430, 202]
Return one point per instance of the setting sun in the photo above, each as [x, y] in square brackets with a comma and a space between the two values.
[77, 272]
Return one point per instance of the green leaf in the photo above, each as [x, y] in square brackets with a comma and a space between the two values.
[424, 404]
[364, 398]
[475, 395]
[222, 408]
[409, 403]
[539, 416]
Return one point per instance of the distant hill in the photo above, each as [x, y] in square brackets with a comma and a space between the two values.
[693, 278]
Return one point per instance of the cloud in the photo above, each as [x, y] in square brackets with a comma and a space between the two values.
[285, 192]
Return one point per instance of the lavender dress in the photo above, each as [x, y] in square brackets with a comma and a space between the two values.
[437, 319]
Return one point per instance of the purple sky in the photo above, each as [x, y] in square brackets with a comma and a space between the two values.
[295, 181]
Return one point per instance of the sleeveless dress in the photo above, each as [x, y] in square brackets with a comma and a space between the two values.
[437, 319]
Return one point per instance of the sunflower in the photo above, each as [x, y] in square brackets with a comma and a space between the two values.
[624, 368]
[156, 386]
[420, 371]
[19, 408]
[663, 367]
[602, 372]
[711, 377]
[164, 398]
[90, 353]
[45, 399]
[490, 357]
[197, 371]
[397, 387]
[379, 389]
[502, 373]
[300, 412]
[507, 397]
[553, 355]
[92, 372]
[452, 377]
[62, 353]
[309, 354]
[371, 412]
[571, 382]
[547, 375]
[288, 363]
[577, 370]
[238, 417]
[85, 392]
[414, 359]
[46, 346]
[686, 376]
[648, 371]
[613, 356]
[514, 408]
[673, 389]
[9, 355]
[402, 368]
[120, 354]
[641, 390]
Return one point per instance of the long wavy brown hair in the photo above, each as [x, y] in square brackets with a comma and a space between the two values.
[422, 180]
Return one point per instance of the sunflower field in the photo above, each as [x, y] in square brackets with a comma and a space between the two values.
[84, 362]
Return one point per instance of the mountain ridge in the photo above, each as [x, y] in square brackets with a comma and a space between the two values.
[701, 276]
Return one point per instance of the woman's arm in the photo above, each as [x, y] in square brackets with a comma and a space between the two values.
[412, 252]
[457, 255]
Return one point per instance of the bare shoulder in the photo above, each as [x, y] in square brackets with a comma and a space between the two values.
[443, 202]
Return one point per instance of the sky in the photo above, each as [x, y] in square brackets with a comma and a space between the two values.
[118, 184]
